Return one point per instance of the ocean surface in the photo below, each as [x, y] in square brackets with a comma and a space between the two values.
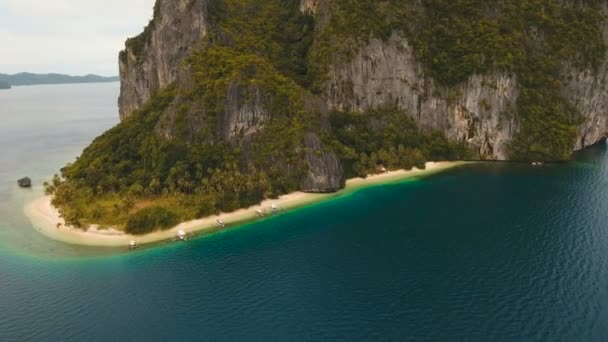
[488, 252]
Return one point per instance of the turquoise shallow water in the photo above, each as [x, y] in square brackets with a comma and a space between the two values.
[485, 252]
[43, 128]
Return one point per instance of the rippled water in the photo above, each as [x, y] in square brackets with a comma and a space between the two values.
[485, 252]
[41, 129]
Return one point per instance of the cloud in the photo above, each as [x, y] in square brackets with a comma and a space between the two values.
[37, 8]
[68, 36]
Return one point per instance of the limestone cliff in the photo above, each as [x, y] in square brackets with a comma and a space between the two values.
[156, 59]
[151, 61]
[481, 111]
[325, 173]
[226, 102]
[587, 90]
[386, 74]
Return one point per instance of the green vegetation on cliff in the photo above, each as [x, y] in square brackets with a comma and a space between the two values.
[275, 29]
[232, 131]
[536, 40]
[387, 138]
[138, 43]
[258, 55]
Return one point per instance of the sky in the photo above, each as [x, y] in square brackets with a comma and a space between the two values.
[75, 37]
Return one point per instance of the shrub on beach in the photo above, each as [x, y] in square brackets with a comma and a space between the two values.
[151, 219]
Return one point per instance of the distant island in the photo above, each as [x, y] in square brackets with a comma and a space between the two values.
[25, 79]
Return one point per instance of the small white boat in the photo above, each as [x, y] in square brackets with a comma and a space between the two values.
[221, 223]
[182, 235]
[274, 207]
[259, 212]
[132, 244]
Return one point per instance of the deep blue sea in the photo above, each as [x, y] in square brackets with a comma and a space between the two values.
[488, 252]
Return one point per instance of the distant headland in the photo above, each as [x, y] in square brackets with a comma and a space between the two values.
[25, 79]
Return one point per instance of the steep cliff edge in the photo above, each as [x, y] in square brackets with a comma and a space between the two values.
[460, 67]
[227, 102]
[480, 110]
[386, 74]
[587, 90]
[241, 108]
[388, 71]
[151, 61]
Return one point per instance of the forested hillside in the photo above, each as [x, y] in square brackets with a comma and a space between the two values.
[254, 99]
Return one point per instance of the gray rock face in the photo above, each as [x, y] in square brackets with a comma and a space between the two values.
[587, 90]
[480, 111]
[325, 173]
[386, 75]
[383, 74]
[179, 26]
[245, 112]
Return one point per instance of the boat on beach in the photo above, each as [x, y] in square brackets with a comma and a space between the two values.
[182, 235]
[132, 245]
[221, 223]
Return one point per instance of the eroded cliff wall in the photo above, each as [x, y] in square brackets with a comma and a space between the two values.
[386, 74]
[152, 61]
[481, 111]
[587, 90]
[227, 102]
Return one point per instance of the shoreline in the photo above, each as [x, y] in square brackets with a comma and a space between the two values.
[44, 217]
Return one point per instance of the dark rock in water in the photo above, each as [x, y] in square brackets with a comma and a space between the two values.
[25, 182]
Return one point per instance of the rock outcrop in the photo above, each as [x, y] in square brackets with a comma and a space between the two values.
[325, 172]
[481, 111]
[386, 74]
[245, 111]
[586, 89]
[25, 182]
[152, 61]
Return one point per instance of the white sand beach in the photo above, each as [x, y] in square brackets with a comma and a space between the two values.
[47, 220]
